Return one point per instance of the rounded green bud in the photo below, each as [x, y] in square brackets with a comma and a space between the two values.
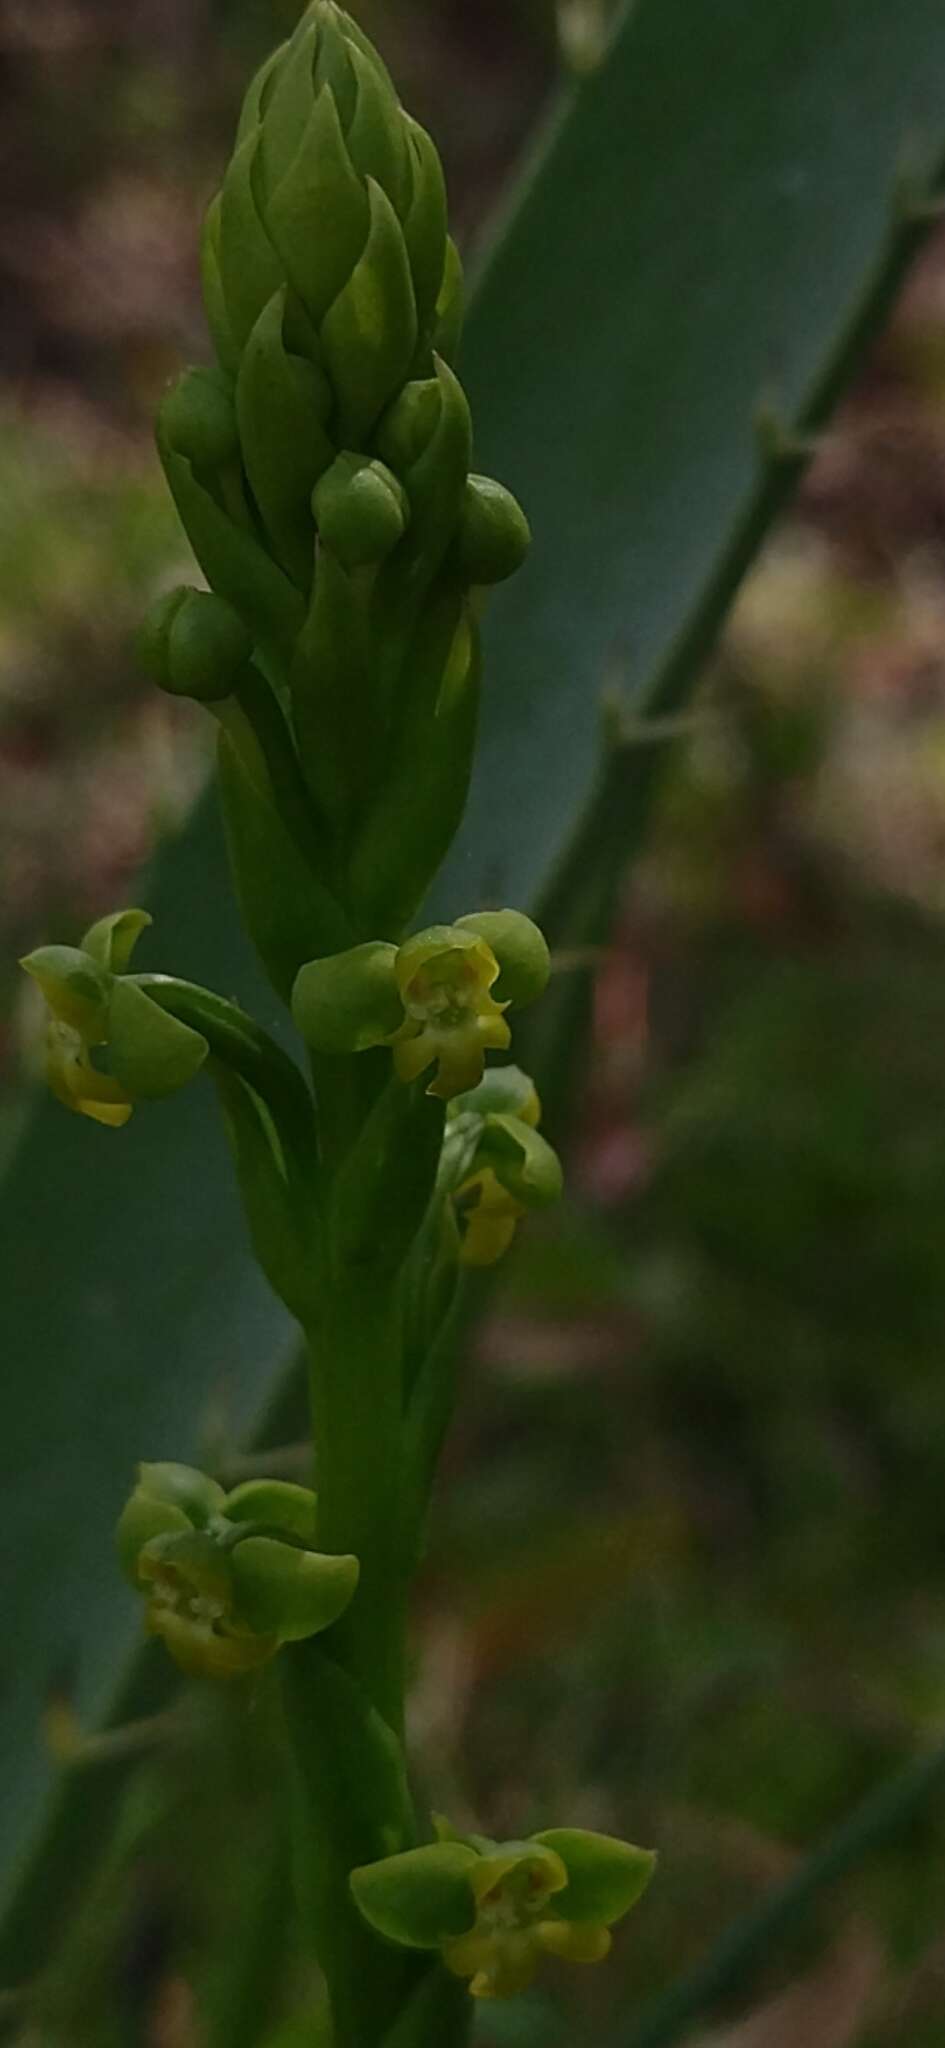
[151, 639]
[360, 509]
[348, 1001]
[192, 644]
[208, 648]
[287, 1592]
[409, 424]
[275, 1503]
[152, 1053]
[198, 419]
[493, 537]
[520, 949]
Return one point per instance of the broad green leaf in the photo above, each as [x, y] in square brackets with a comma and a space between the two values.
[710, 225]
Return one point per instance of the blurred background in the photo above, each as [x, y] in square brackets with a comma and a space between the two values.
[687, 1575]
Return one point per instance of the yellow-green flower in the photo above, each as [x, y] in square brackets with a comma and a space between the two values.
[439, 1000]
[228, 1578]
[496, 1910]
[76, 993]
[93, 1009]
[444, 978]
[495, 1164]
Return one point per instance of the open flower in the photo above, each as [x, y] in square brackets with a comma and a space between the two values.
[496, 1910]
[451, 1019]
[228, 1578]
[92, 1009]
[438, 1001]
[495, 1164]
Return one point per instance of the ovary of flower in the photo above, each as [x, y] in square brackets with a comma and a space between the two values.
[489, 1215]
[444, 978]
[513, 1930]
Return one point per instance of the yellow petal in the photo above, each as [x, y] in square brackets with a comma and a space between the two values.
[572, 1942]
[413, 1055]
[79, 1085]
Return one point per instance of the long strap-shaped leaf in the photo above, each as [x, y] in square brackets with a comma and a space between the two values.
[697, 236]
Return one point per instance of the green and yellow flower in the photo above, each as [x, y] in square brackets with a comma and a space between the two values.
[439, 1000]
[495, 1910]
[495, 1164]
[92, 1010]
[228, 1577]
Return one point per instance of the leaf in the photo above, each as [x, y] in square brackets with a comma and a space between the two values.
[712, 208]
[711, 221]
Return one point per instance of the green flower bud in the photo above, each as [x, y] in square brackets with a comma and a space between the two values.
[153, 635]
[360, 510]
[194, 645]
[520, 949]
[208, 648]
[448, 326]
[493, 536]
[198, 417]
[409, 424]
[349, 1001]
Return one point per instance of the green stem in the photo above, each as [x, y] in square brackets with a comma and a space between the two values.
[745, 1945]
[355, 1391]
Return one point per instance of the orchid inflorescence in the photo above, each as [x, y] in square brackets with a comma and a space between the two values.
[322, 468]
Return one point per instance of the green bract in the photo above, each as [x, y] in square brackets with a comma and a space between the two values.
[228, 1578]
[494, 1910]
